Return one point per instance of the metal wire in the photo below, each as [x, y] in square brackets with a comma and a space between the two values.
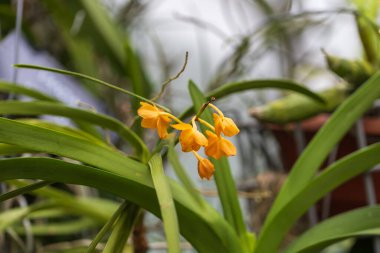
[368, 181]
[326, 203]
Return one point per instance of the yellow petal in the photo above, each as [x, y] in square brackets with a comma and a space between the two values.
[181, 126]
[227, 147]
[162, 127]
[218, 123]
[205, 168]
[185, 140]
[200, 138]
[149, 123]
[147, 111]
[230, 128]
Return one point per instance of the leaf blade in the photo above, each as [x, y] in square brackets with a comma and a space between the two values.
[167, 207]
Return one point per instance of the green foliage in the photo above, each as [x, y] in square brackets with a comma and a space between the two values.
[358, 223]
[165, 199]
[84, 156]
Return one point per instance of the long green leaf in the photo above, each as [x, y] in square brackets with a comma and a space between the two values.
[206, 224]
[182, 175]
[24, 190]
[94, 208]
[42, 108]
[107, 30]
[164, 196]
[333, 176]
[18, 89]
[9, 217]
[223, 179]
[6, 149]
[60, 228]
[135, 176]
[79, 75]
[358, 223]
[323, 142]
[106, 228]
[64, 129]
[231, 88]
[122, 229]
[120, 46]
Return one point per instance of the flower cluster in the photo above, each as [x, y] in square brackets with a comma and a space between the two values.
[191, 139]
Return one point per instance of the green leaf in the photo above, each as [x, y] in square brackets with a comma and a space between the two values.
[358, 223]
[118, 43]
[333, 176]
[43, 108]
[79, 75]
[167, 208]
[11, 216]
[131, 177]
[323, 142]
[232, 88]
[18, 89]
[106, 228]
[67, 227]
[108, 30]
[197, 225]
[94, 208]
[6, 149]
[223, 177]
[63, 129]
[122, 229]
[24, 190]
[182, 174]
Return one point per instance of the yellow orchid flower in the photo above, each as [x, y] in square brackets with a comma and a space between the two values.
[223, 124]
[219, 146]
[205, 167]
[153, 117]
[190, 138]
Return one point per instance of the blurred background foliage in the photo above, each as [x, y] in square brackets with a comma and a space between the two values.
[329, 46]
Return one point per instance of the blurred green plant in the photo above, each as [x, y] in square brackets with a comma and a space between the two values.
[83, 155]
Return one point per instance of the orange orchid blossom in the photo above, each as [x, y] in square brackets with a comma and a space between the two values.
[223, 124]
[153, 117]
[219, 146]
[205, 167]
[190, 138]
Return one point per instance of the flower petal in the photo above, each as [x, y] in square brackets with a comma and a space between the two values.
[181, 126]
[205, 168]
[185, 139]
[149, 123]
[218, 123]
[230, 128]
[147, 111]
[227, 147]
[199, 138]
[162, 127]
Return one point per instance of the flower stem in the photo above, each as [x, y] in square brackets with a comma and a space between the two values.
[216, 109]
[196, 155]
[206, 124]
[172, 117]
[204, 106]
